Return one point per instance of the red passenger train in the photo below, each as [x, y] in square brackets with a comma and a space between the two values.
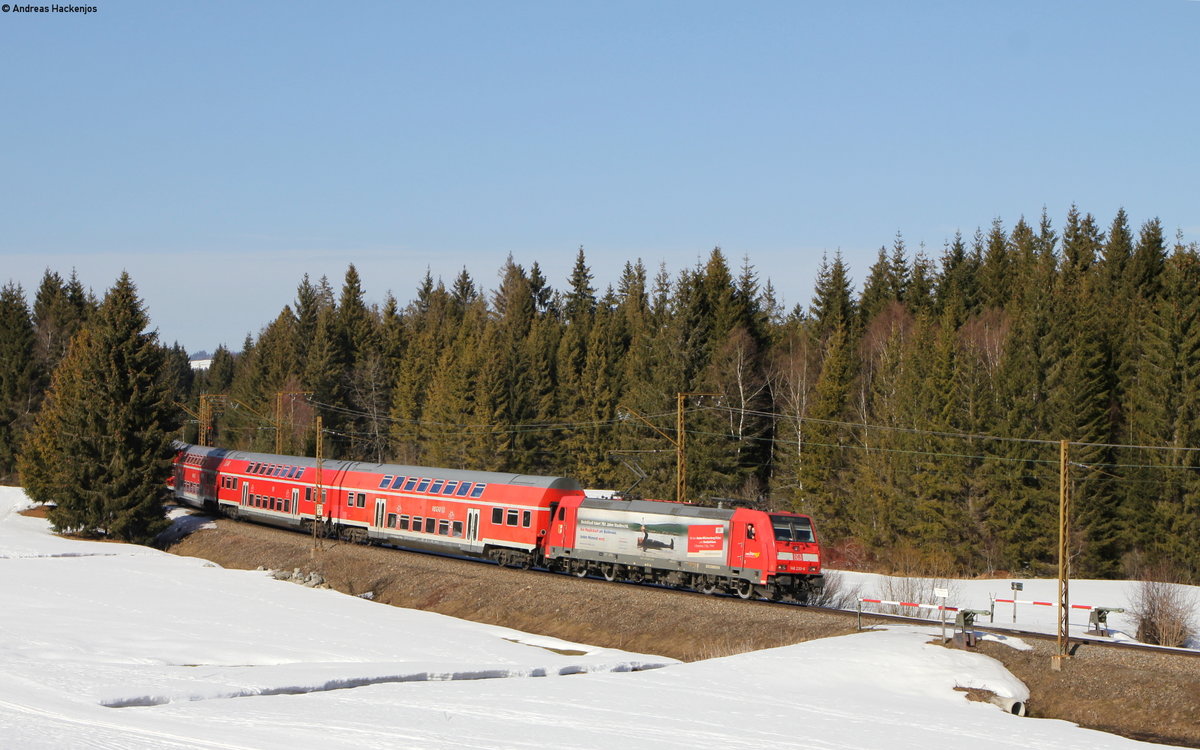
[514, 519]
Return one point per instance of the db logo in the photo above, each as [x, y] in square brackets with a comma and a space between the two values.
[4, 7]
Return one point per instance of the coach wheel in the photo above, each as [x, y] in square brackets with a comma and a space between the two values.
[609, 572]
[744, 589]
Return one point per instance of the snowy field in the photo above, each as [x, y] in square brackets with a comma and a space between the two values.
[116, 646]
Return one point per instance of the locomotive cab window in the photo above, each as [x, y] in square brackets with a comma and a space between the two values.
[792, 529]
[749, 531]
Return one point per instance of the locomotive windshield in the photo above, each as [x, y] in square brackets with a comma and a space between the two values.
[792, 529]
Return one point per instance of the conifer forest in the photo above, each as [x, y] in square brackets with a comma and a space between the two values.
[919, 420]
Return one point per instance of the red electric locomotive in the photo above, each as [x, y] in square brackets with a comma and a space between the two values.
[514, 519]
[741, 551]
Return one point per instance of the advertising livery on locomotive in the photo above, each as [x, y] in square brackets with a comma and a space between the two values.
[514, 519]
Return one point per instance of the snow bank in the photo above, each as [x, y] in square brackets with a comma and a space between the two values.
[125, 647]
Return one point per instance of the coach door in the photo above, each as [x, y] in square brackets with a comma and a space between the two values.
[472, 524]
[380, 512]
[295, 509]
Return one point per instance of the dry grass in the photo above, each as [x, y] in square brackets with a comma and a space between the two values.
[1149, 697]
[1164, 613]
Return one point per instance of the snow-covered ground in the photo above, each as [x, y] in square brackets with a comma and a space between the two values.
[115, 646]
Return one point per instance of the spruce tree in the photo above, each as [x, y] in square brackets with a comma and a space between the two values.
[101, 449]
[20, 378]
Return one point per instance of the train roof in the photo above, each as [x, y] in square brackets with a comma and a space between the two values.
[661, 508]
[338, 467]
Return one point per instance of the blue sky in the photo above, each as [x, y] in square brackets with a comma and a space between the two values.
[219, 150]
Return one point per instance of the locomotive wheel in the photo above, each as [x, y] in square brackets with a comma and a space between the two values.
[744, 589]
[609, 572]
[706, 585]
[581, 571]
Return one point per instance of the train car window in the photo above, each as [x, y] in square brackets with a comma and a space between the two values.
[250, 468]
[424, 485]
[308, 494]
[417, 521]
[497, 516]
[383, 483]
[444, 527]
[450, 487]
[436, 487]
[463, 489]
[526, 518]
[391, 523]
[478, 491]
[512, 517]
[412, 482]
[404, 522]
[458, 528]
[362, 499]
[396, 484]
[287, 505]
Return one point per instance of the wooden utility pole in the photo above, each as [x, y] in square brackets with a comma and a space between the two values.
[1064, 556]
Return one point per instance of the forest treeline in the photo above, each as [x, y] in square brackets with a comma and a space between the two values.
[918, 421]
